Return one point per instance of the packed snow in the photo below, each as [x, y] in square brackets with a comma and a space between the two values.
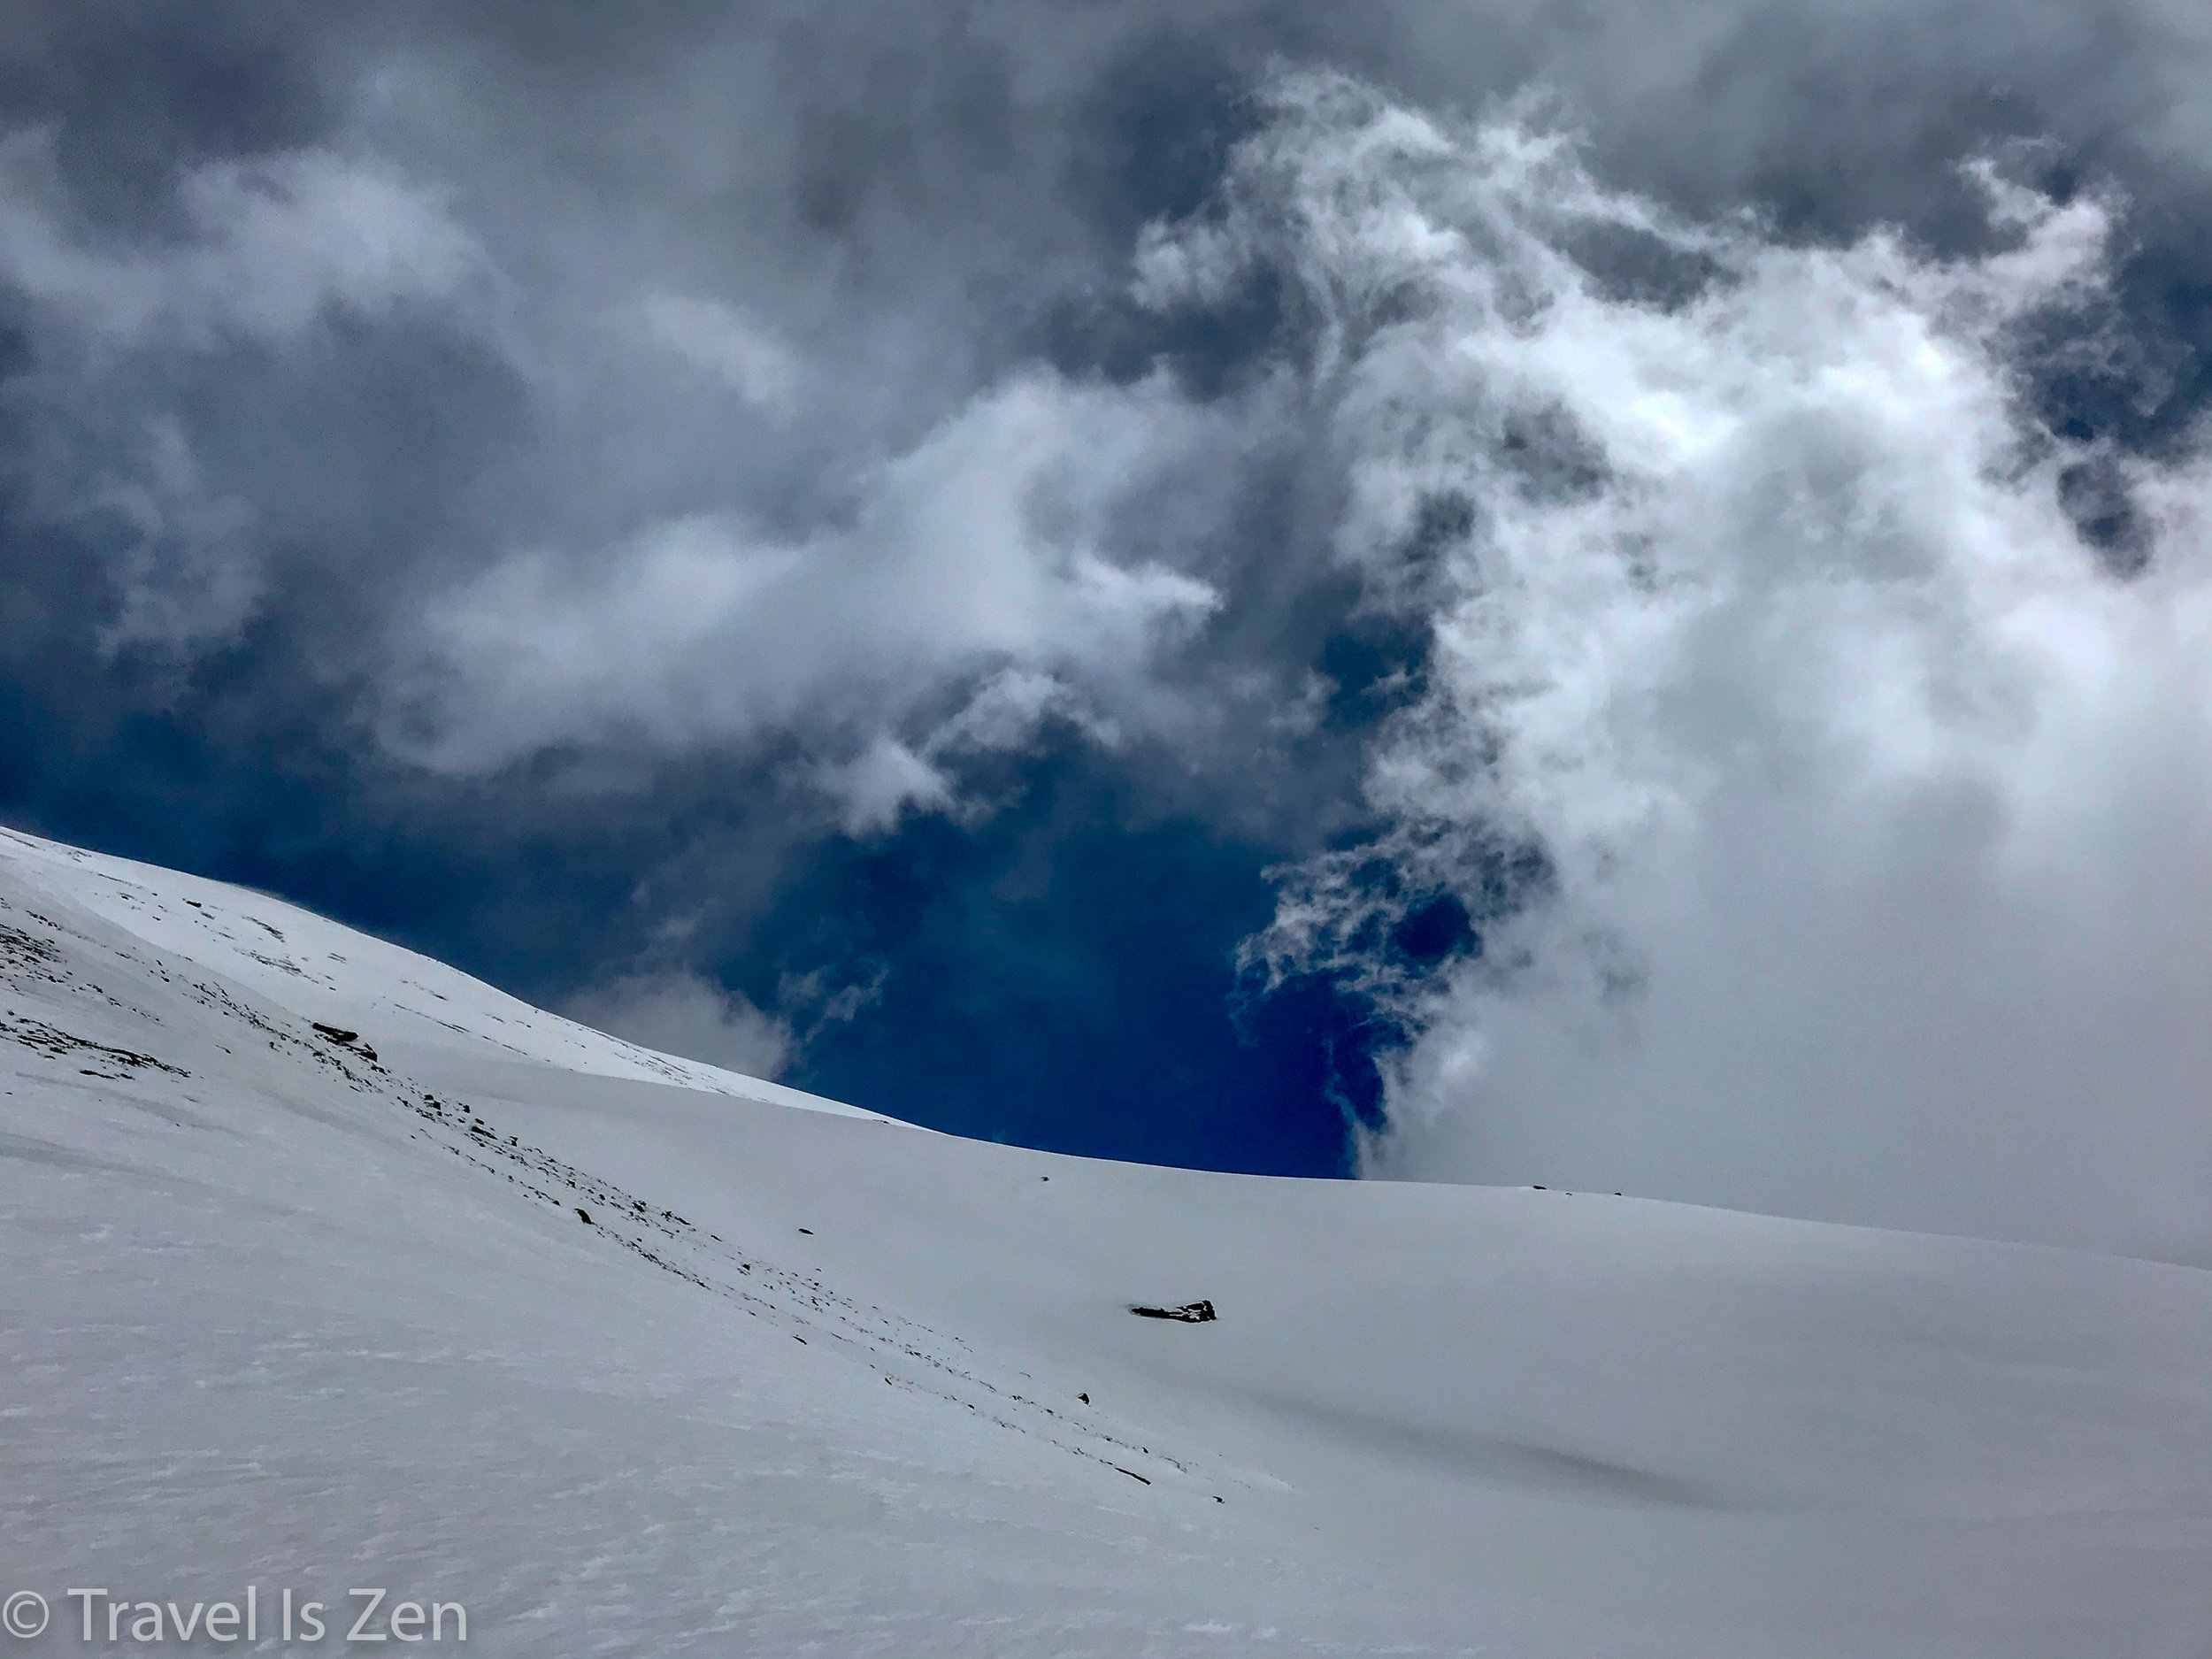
[331, 1268]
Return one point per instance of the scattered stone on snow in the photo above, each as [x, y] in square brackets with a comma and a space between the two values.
[1189, 1313]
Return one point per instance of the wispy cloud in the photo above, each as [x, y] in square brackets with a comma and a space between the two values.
[980, 566]
[680, 1012]
[720, 340]
[271, 246]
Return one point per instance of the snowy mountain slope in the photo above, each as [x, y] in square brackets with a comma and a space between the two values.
[278, 1312]
[304, 963]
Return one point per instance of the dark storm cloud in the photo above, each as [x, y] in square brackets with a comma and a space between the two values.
[599, 491]
[138, 89]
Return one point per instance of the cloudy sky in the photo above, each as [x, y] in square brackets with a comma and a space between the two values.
[1612, 595]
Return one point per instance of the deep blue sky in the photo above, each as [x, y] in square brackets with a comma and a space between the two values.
[1062, 975]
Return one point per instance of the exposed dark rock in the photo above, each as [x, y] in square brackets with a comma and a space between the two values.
[1189, 1313]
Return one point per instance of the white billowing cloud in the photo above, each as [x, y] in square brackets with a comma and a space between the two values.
[273, 244]
[680, 1013]
[1007, 710]
[720, 340]
[979, 571]
[881, 784]
[1876, 803]
[886, 780]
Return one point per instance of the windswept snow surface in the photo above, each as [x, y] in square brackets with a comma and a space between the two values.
[811, 1381]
